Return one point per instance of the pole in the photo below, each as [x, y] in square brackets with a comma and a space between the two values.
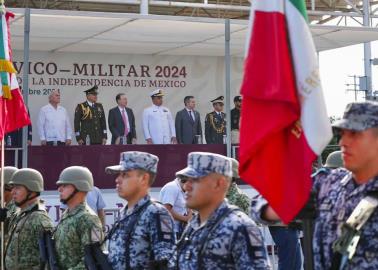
[227, 61]
[307, 243]
[144, 7]
[367, 51]
[25, 84]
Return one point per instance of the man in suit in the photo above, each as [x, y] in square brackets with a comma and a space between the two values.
[90, 120]
[215, 123]
[188, 123]
[121, 122]
[235, 119]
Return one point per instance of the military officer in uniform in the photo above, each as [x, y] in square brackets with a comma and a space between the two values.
[79, 225]
[31, 219]
[90, 120]
[346, 220]
[220, 236]
[215, 123]
[157, 121]
[235, 119]
[144, 236]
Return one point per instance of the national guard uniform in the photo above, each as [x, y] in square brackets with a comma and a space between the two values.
[144, 235]
[235, 121]
[215, 124]
[229, 239]
[337, 195]
[22, 249]
[90, 120]
[79, 226]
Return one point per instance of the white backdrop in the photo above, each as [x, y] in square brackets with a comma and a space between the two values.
[135, 75]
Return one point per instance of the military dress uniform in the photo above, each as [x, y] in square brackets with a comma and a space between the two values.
[78, 227]
[152, 238]
[234, 242]
[90, 120]
[22, 250]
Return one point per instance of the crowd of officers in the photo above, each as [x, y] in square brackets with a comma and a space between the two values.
[218, 236]
[158, 124]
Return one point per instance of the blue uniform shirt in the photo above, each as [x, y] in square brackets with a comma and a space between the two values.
[337, 197]
[152, 239]
[235, 243]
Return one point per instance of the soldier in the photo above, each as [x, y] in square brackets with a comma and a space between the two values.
[234, 195]
[235, 119]
[79, 225]
[221, 236]
[144, 237]
[31, 219]
[215, 123]
[90, 123]
[10, 208]
[346, 230]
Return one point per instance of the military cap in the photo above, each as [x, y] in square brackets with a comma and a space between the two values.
[92, 91]
[30, 178]
[218, 100]
[334, 160]
[157, 93]
[359, 116]
[237, 98]
[133, 160]
[8, 173]
[202, 163]
[78, 176]
[235, 168]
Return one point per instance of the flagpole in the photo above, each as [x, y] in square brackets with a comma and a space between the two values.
[2, 202]
[25, 84]
[228, 84]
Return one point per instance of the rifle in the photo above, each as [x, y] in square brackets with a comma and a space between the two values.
[94, 258]
[47, 252]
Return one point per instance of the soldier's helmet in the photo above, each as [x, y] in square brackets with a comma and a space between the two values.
[8, 173]
[334, 160]
[78, 176]
[30, 178]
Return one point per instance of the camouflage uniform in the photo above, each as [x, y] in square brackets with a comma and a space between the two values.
[11, 214]
[229, 239]
[22, 250]
[78, 227]
[215, 127]
[235, 243]
[236, 197]
[145, 233]
[153, 238]
[90, 121]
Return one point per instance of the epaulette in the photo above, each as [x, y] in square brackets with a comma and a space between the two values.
[322, 170]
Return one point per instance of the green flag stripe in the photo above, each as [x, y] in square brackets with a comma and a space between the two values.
[301, 6]
[2, 51]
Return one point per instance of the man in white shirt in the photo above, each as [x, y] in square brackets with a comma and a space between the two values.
[158, 124]
[172, 196]
[54, 125]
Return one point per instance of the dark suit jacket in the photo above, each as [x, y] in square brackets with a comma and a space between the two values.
[117, 127]
[186, 129]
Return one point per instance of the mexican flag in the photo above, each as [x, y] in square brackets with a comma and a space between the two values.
[284, 122]
[13, 113]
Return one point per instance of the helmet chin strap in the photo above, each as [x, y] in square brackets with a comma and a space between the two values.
[65, 201]
[28, 198]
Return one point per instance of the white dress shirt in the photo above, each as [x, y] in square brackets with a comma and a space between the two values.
[54, 124]
[158, 125]
[191, 114]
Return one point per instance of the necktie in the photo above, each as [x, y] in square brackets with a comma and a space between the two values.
[191, 116]
[125, 122]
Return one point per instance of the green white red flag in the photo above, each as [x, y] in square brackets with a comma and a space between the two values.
[284, 122]
[13, 112]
